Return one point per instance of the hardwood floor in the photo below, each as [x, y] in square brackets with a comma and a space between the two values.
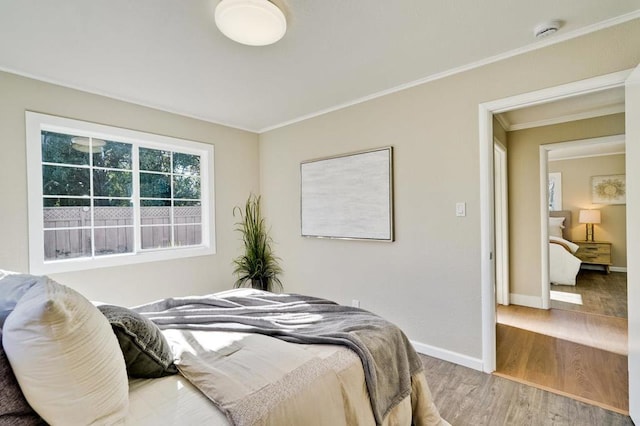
[597, 331]
[603, 294]
[574, 349]
[469, 397]
[590, 374]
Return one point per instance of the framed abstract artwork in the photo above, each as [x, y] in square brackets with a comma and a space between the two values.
[348, 196]
[611, 189]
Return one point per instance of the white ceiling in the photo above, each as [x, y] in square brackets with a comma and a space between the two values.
[168, 54]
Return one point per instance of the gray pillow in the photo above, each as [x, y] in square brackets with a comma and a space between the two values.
[146, 352]
[12, 288]
[14, 408]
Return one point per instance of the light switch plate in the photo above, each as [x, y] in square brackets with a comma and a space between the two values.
[461, 209]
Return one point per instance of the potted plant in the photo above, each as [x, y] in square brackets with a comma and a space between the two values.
[258, 266]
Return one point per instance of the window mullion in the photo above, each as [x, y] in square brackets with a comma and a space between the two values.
[171, 208]
[92, 202]
[135, 198]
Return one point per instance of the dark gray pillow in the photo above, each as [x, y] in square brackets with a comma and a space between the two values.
[14, 408]
[146, 352]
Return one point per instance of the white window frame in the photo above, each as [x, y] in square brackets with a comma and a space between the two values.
[36, 123]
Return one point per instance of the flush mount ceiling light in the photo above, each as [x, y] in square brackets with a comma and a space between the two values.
[545, 29]
[251, 22]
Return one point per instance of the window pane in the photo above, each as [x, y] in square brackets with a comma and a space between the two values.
[155, 185]
[111, 183]
[186, 187]
[113, 240]
[188, 235]
[65, 202]
[57, 180]
[186, 164]
[58, 148]
[155, 237]
[113, 213]
[155, 160]
[114, 155]
[152, 203]
[67, 244]
[187, 212]
[66, 212]
[155, 212]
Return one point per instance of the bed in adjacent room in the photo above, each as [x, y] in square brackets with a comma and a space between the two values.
[563, 265]
[241, 357]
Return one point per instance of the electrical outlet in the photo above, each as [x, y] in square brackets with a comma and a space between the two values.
[355, 303]
[461, 209]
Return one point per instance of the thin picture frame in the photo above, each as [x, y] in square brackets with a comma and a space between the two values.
[348, 196]
[608, 189]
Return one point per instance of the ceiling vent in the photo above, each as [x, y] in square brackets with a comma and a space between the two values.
[547, 28]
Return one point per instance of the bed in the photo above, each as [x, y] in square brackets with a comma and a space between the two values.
[563, 265]
[240, 357]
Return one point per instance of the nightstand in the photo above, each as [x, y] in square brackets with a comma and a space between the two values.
[594, 253]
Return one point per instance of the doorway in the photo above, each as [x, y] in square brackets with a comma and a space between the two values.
[575, 165]
[546, 348]
[486, 112]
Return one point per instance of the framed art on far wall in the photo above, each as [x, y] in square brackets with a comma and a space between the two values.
[348, 196]
[611, 189]
[555, 191]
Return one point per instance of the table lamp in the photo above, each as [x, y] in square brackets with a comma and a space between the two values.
[589, 217]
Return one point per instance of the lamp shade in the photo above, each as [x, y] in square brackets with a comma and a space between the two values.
[251, 22]
[589, 216]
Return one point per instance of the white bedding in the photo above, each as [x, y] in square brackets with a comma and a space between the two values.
[170, 401]
[563, 265]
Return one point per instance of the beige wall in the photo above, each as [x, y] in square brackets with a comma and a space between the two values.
[524, 193]
[428, 280]
[576, 196]
[236, 164]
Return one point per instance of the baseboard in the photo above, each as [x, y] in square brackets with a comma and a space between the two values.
[447, 355]
[618, 269]
[525, 300]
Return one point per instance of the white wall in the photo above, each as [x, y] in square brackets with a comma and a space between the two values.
[428, 280]
[236, 174]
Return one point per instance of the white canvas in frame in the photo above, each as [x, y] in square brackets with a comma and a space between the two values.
[610, 189]
[348, 196]
[555, 191]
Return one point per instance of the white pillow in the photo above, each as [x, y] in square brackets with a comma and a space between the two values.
[66, 358]
[556, 226]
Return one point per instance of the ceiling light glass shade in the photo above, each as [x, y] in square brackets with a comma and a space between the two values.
[84, 144]
[251, 22]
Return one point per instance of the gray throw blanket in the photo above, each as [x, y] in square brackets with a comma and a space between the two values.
[387, 356]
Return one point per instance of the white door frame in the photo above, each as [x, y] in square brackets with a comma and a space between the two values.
[502, 223]
[632, 129]
[487, 232]
[545, 285]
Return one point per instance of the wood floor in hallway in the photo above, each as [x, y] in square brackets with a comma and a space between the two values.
[598, 331]
[588, 374]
